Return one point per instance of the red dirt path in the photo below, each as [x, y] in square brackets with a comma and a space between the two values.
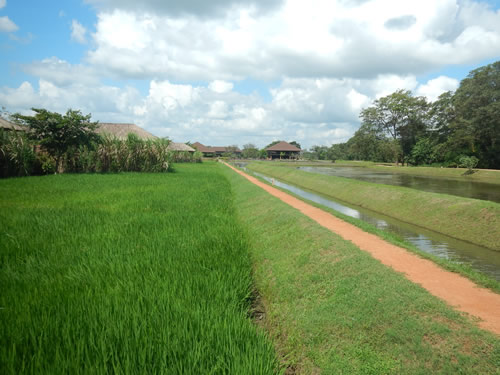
[456, 290]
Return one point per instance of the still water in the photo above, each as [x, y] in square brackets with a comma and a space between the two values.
[479, 258]
[468, 189]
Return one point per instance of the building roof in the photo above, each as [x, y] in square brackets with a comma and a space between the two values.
[173, 146]
[283, 146]
[121, 131]
[202, 148]
[209, 149]
[4, 124]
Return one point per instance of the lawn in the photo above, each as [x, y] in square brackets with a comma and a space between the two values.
[127, 273]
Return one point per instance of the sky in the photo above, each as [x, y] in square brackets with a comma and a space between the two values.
[233, 72]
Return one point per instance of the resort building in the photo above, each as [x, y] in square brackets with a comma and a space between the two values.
[283, 150]
[216, 151]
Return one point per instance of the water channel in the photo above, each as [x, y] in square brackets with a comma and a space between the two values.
[468, 189]
[477, 257]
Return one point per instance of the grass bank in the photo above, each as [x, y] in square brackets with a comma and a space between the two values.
[480, 175]
[126, 273]
[466, 219]
[331, 308]
[465, 270]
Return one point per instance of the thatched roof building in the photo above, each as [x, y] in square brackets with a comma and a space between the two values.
[173, 146]
[283, 150]
[216, 150]
[9, 126]
[121, 131]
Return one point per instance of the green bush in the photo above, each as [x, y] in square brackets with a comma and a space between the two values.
[111, 154]
[17, 157]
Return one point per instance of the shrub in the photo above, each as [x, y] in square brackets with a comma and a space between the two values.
[17, 157]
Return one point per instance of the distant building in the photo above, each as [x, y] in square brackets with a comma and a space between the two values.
[121, 131]
[215, 151]
[180, 147]
[283, 150]
[9, 126]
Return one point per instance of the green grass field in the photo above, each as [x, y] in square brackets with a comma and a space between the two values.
[467, 219]
[333, 309]
[126, 273]
[158, 273]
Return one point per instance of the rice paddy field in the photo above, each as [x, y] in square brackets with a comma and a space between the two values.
[200, 272]
[126, 273]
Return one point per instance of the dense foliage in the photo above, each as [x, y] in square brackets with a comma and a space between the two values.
[449, 131]
[68, 143]
[57, 133]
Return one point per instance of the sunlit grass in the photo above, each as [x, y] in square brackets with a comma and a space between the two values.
[333, 309]
[127, 273]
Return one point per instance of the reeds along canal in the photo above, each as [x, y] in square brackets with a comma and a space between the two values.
[479, 258]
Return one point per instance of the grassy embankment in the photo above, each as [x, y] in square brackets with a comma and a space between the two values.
[128, 273]
[471, 220]
[332, 308]
[480, 175]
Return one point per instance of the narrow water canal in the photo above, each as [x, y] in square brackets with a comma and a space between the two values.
[468, 189]
[479, 258]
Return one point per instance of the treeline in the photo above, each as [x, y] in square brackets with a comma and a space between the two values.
[52, 143]
[460, 128]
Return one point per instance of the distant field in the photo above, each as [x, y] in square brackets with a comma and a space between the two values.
[481, 175]
[126, 273]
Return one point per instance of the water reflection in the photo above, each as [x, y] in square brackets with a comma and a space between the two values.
[468, 189]
[480, 258]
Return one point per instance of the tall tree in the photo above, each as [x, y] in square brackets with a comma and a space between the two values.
[57, 133]
[477, 102]
[399, 115]
[250, 151]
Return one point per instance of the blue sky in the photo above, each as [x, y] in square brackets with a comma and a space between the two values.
[238, 71]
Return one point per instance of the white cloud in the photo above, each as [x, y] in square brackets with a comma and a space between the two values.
[61, 72]
[321, 38]
[6, 25]
[200, 8]
[326, 60]
[435, 87]
[220, 86]
[78, 32]
[311, 111]
[3, 3]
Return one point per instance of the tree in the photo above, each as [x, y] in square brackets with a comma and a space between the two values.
[296, 144]
[57, 133]
[400, 116]
[477, 102]
[250, 151]
[319, 152]
[338, 151]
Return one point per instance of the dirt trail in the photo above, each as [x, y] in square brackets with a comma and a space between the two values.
[456, 290]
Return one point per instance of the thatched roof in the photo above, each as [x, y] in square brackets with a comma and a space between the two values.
[7, 125]
[283, 146]
[121, 131]
[173, 146]
[214, 149]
